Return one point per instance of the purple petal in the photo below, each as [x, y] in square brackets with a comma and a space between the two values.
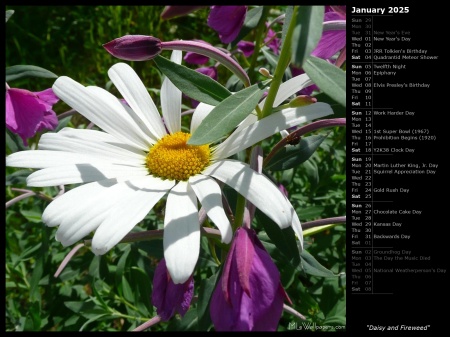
[263, 310]
[186, 298]
[47, 97]
[28, 112]
[274, 43]
[227, 21]
[244, 258]
[195, 58]
[330, 43]
[208, 71]
[224, 279]
[246, 47]
[167, 297]
[265, 279]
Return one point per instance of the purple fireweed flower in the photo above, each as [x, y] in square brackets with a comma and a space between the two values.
[246, 47]
[134, 47]
[195, 58]
[227, 21]
[272, 41]
[331, 41]
[249, 295]
[30, 112]
[170, 298]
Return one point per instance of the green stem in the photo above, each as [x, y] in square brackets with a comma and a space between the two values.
[239, 216]
[284, 59]
[259, 36]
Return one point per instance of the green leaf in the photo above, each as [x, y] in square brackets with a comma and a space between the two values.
[142, 285]
[189, 322]
[121, 265]
[227, 115]
[192, 83]
[307, 32]
[34, 312]
[25, 254]
[98, 296]
[14, 142]
[126, 289]
[17, 177]
[93, 319]
[329, 78]
[293, 155]
[32, 215]
[38, 271]
[251, 21]
[284, 239]
[204, 295]
[62, 123]
[311, 266]
[286, 24]
[9, 13]
[19, 71]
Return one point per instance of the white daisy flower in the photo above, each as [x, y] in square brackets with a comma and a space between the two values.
[134, 162]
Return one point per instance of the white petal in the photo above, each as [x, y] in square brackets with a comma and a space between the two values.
[130, 211]
[289, 88]
[281, 120]
[90, 212]
[136, 95]
[46, 158]
[108, 115]
[210, 196]
[100, 150]
[181, 232]
[171, 99]
[82, 173]
[96, 136]
[132, 130]
[58, 208]
[199, 114]
[255, 187]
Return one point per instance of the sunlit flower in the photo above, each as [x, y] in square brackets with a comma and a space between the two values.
[249, 295]
[227, 21]
[136, 160]
[170, 298]
[30, 112]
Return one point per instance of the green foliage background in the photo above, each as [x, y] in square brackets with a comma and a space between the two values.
[112, 292]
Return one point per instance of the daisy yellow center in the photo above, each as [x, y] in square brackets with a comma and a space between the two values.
[171, 158]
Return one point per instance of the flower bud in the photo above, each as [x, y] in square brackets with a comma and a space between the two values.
[170, 12]
[302, 100]
[134, 47]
